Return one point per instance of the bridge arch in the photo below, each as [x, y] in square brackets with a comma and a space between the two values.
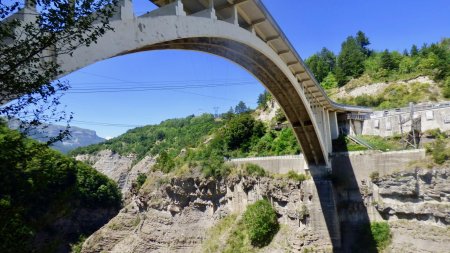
[218, 38]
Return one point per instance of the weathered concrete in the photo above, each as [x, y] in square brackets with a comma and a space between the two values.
[275, 164]
[363, 163]
[432, 117]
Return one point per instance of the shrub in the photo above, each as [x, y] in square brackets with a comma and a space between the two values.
[261, 222]
[164, 162]
[439, 152]
[140, 180]
[254, 170]
[295, 176]
[374, 176]
[381, 234]
[446, 88]
[436, 133]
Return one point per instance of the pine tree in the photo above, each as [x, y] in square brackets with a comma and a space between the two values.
[322, 63]
[363, 42]
[414, 51]
[241, 107]
[386, 61]
[350, 62]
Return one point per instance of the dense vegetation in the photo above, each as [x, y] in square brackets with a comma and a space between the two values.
[171, 136]
[40, 186]
[357, 61]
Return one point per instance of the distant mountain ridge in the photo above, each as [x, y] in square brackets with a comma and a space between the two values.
[79, 137]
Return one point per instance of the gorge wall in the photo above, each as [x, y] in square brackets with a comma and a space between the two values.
[175, 215]
[412, 198]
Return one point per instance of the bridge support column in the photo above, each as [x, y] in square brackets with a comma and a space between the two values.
[334, 128]
[323, 122]
[328, 131]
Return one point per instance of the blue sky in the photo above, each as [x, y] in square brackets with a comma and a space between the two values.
[309, 25]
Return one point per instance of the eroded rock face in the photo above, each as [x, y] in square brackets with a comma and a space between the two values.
[422, 195]
[175, 215]
[117, 167]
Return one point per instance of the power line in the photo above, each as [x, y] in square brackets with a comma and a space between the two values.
[104, 124]
[180, 89]
[150, 88]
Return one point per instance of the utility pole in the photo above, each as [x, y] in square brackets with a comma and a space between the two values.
[216, 111]
[413, 126]
[406, 137]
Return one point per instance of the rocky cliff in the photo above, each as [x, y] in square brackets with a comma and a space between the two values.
[122, 169]
[175, 215]
[417, 205]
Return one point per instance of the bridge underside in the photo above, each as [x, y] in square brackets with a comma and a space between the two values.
[269, 74]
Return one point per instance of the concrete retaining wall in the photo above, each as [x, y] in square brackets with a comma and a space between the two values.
[275, 164]
[360, 165]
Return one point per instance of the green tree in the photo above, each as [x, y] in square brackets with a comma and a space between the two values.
[405, 52]
[241, 107]
[407, 65]
[241, 131]
[350, 62]
[26, 78]
[322, 63]
[329, 81]
[381, 234]
[386, 61]
[363, 42]
[414, 51]
[263, 99]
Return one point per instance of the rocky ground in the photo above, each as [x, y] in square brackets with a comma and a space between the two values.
[375, 88]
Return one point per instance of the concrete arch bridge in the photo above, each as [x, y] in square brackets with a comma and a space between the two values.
[242, 31]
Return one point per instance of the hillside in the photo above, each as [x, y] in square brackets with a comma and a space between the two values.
[47, 200]
[379, 78]
[199, 142]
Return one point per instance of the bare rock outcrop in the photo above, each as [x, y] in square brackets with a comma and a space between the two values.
[119, 168]
[174, 215]
[421, 195]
